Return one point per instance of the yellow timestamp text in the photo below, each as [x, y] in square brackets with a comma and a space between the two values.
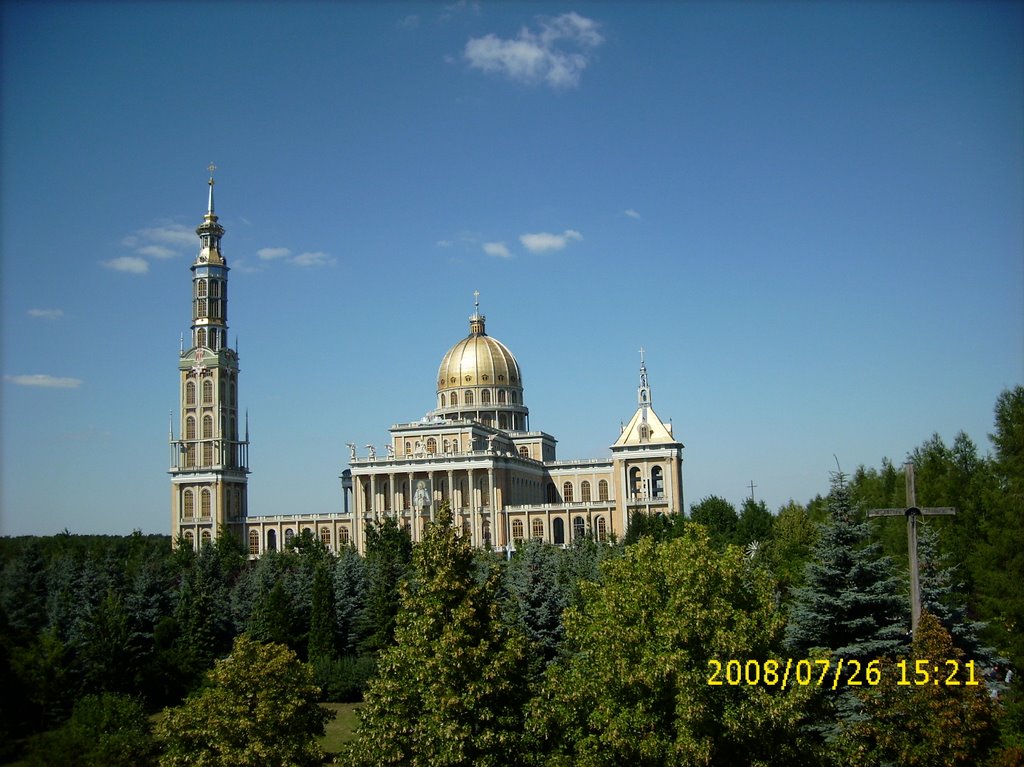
[839, 672]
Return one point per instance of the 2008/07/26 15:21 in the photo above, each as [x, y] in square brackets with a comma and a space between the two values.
[773, 672]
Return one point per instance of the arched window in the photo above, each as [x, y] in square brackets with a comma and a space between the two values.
[645, 432]
[447, 446]
[657, 482]
[558, 530]
[201, 337]
[207, 426]
[190, 393]
[486, 532]
[271, 540]
[551, 493]
[485, 397]
[188, 505]
[207, 391]
[455, 399]
[602, 490]
[343, 536]
[442, 400]
[205, 537]
[469, 398]
[201, 289]
[517, 530]
[515, 398]
[288, 535]
[325, 536]
[190, 539]
[585, 491]
[455, 446]
[567, 492]
[537, 529]
[431, 445]
[204, 503]
[579, 528]
[408, 448]
[602, 529]
[524, 451]
[635, 483]
[190, 427]
[254, 542]
[501, 396]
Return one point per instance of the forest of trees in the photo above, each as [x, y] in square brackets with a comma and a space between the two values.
[595, 654]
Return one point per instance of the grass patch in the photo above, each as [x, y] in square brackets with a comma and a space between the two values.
[341, 728]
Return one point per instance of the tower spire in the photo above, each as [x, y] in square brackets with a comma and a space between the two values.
[477, 320]
[209, 207]
[643, 392]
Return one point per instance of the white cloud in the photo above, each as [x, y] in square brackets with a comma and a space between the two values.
[409, 22]
[46, 314]
[631, 213]
[269, 254]
[130, 264]
[45, 381]
[444, 243]
[542, 242]
[317, 258]
[156, 251]
[177, 235]
[497, 249]
[556, 54]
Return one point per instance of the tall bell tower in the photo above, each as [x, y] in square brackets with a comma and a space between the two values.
[209, 462]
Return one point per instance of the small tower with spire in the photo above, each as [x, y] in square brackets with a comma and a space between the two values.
[209, 463]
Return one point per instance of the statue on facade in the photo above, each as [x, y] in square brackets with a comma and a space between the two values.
[352, 451]
[372, 451]
[421, 498]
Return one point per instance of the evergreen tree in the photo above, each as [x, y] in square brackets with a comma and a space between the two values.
[850, 605]
[450, 691]
[349, 598]
[538, 596]
[322, 620]
[790, 547]
[388, 554]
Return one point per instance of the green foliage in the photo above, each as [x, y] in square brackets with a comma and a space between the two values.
[632, 685]
[450, 690]
[108, 730]
[322, 620]
[719, 517]
[343, 680]
[349, 598]
[931, 725]
[539, 595]
[793, 535]
[258, 709]
[661, 527]
[388, 554]
[755, 524]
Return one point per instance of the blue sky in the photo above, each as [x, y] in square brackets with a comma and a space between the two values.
[810, 215]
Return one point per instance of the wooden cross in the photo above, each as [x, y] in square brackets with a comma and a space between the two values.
[912, 512]
[752, 486]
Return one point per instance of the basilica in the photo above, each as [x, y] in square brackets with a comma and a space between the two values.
[476, 450]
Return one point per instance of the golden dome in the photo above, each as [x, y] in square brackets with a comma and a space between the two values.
[478, 360]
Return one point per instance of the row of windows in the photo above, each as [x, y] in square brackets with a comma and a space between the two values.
[569, 493]
[579, 529]
[214, 288]
[209, 308]
[652, 487]
[191, 538]
[485, 398]
[216, 338]
[227, 387]
[325, 537]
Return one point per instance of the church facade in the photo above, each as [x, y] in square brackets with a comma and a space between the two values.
[476, 451]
